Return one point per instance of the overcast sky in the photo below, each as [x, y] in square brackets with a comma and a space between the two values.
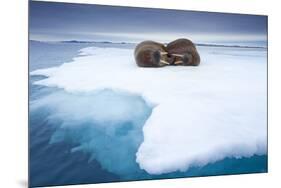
[51, 21]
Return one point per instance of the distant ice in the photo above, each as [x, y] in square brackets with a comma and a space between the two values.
[201, 115]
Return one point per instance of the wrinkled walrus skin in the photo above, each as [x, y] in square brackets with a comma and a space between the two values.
[183, 52]
[150, 54]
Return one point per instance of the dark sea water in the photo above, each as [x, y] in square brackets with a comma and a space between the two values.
[71, 148]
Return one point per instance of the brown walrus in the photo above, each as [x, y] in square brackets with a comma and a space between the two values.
[151, 54]
[183, 52]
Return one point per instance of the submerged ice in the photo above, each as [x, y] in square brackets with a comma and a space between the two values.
[190, 116]
[105, 124]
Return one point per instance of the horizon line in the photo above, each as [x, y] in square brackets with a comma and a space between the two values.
[124, 42]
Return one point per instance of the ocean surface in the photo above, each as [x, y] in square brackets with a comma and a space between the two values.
[66, 149]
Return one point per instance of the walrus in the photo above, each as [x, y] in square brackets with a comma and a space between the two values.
[182, 52]
[151, 54]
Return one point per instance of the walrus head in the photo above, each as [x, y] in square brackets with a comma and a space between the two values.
[151, 54]
[182, 59]
[183, 52]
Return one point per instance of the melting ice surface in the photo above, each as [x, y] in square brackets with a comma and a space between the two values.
[189, 116]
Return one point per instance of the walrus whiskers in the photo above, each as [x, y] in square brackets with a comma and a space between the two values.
[165, 62]
[178, 62]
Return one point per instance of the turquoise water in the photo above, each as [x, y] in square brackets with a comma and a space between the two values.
[69, 145]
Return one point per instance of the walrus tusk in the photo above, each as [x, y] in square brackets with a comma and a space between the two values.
[163, 53]
[178, 62]
[164, 62]
[177, 55]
